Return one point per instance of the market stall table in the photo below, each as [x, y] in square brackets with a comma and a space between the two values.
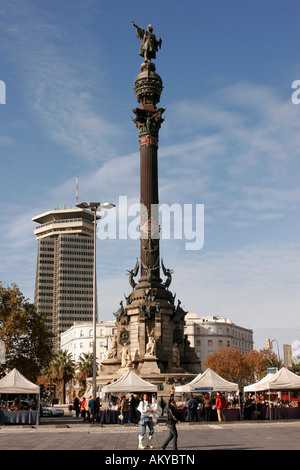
[19, 417]
[231, 414]
[111, 416]
[280, 412]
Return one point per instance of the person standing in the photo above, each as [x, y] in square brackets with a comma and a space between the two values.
[207, 404]
[132, 409]
[192, 406]
[172, 419]
[146, 420]
[162, 404]
[221, 404]
[124, 410]
[76, 406]
[93, 409]
[82, 408]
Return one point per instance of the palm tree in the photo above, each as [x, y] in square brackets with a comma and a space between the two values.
[84, 369]
[62, 367]
[273, 362]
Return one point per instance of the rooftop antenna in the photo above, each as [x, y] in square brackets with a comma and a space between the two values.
[76, 190]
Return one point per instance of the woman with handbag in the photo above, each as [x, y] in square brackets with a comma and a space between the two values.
[145, 420]
[172, 419]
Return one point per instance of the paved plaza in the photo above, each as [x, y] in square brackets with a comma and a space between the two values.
[71, 434]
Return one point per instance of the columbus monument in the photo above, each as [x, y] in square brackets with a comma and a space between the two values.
[150, 321]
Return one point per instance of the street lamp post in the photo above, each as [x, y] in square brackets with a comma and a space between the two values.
[94, 207]
[278, 356]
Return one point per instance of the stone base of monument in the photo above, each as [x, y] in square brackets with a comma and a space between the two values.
[149, 366]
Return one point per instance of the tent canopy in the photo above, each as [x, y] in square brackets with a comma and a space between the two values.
[130, 382]
[187, 387]
[15, 382]
[254, 387]
[284, 379]
[208, 381]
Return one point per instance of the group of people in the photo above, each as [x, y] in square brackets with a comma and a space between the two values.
[260, 399]
[87, 408]
[17, 405]
[128, 405]
[206, 404]
[254, 403]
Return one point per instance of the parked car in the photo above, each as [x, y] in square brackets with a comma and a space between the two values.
[48, 410]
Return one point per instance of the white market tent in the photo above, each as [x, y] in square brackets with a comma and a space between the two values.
[284, 379]
[130, 382]
[15, 383]
[187, 387]
[254, 387]
[208, 381]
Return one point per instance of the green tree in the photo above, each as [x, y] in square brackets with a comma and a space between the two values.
[27, 340]
[61, 369]
[84, 369]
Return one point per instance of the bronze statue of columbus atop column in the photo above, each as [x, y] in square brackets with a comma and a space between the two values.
[150, 44]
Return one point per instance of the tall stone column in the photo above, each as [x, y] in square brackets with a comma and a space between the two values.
[150, 327]
[148, 87]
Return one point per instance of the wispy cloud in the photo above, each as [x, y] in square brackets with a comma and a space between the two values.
[60, 87]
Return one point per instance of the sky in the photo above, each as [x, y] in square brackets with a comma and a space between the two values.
[229, 144]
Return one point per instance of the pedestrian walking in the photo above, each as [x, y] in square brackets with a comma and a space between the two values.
[221, 404]
[146, 411]
[172, 419]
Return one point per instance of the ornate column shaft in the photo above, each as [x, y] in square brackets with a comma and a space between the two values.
[148, 120]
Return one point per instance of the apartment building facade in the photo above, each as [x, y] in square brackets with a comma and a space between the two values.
[212, 333]
[78, 339]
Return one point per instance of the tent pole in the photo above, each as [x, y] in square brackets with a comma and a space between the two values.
[38, 406]
[240, 405]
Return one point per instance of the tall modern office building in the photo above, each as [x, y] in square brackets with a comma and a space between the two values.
[64, 274]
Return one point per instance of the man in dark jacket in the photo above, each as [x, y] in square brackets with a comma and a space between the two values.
[192, 406]
[172, 419]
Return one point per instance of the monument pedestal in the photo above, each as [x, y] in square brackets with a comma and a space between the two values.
[150, 366]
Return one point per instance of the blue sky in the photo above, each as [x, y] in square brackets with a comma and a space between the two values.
[230, 141]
